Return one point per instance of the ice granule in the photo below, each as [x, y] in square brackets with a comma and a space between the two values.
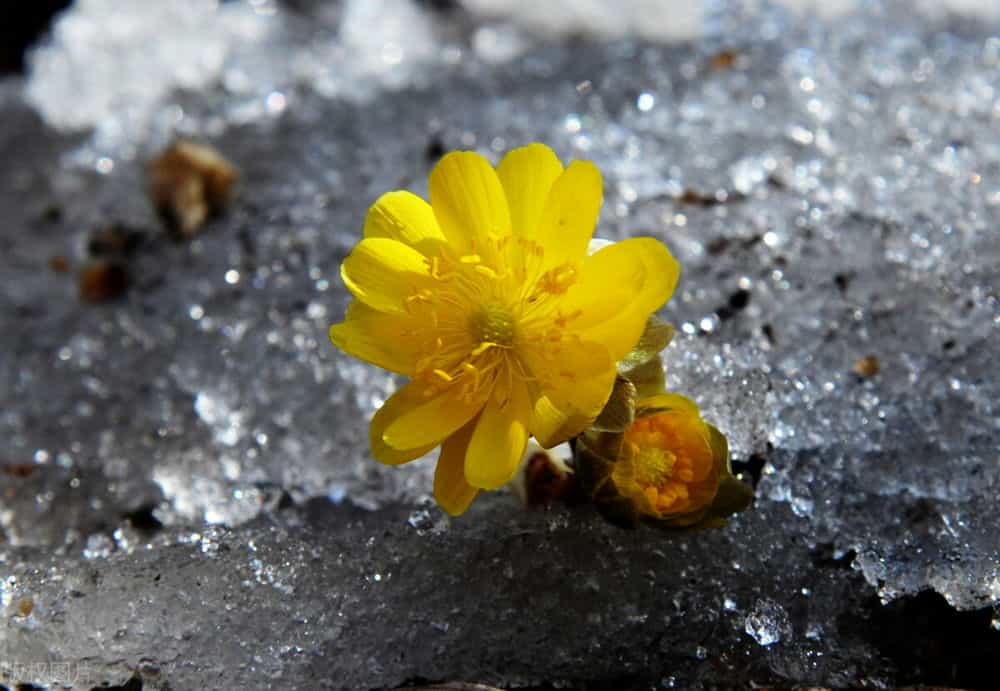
[767, 623]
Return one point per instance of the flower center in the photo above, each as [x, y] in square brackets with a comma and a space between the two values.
[493, 323]
[668, 463]
[654, 466]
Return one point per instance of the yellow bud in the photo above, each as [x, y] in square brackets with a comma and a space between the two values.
[666, 465]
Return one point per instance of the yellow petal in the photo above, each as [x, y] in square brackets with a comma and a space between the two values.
[662, 272]
[377, 337]
[451, 490]
[642, 267]
[551, 425]
[499, 439]
[405, 217]
[383, 273]
[570, 214]
[427, 415]
[620, 286]
[526, 175]
[397, 405]
[573, 388]
[468, 201]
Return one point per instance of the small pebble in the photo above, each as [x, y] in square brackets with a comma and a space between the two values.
[867, 366]
[59, 264]
[114, 240]
[103, 281]
[25, 607]
[723, 60]
[18, 469]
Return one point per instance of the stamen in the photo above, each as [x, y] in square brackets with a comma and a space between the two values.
[472, 370]
[435, 268]
[557, 281]
[421, 296]
[424, 363]
[523, 372]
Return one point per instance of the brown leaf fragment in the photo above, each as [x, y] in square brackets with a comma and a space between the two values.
[188, 183]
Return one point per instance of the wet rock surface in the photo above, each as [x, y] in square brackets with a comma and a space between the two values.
[187, 496]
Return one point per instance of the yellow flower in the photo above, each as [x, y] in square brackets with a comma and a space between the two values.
[667, 466]
[487, 300]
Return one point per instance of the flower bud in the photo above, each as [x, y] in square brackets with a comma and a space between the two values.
[668, 467]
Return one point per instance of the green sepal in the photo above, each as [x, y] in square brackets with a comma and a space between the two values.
[640, 374]
[655, 337]
[733, 496]
[619, 411]
[593, 474]
[606, 446]
[647, 378]
[720, 445]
